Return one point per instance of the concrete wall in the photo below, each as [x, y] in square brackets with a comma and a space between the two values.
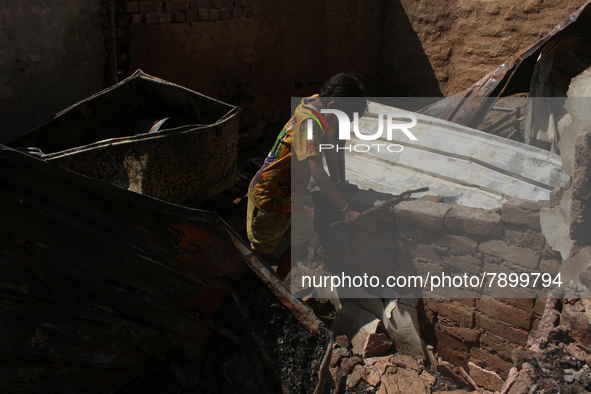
[51, 55]
[405, 69]
[466, 39]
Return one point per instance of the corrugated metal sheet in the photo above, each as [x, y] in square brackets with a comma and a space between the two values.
[96, 280]
[463, 165]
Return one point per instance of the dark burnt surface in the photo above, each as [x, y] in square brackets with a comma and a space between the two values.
[260, 348]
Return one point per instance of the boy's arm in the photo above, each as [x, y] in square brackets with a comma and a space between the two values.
[327, 186]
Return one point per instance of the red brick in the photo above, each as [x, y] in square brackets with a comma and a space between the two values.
[238, 3]
[152, 17]
[527, 239]
[179, 16]
[499, 345]
[487, 360]
[201, 4]
[535, 323]
[451, 349]
[464, 334]
[132, 7]
[191, 15]
[423, 268]
[539, 307]
[475, 221]
[203, 15]
[426, 252]
[463, 264]
[455, 312]
[485, 378]
[165, 18]
[503, 330]
[176, 5]
[137, 18]
[223, 3]
[457, 243]
[505, 313]
[522, 212]
[425, 214]
[215, 14]
[237, 13]
[525, 304]
[150, 6]
[471, 302]
[520, 257]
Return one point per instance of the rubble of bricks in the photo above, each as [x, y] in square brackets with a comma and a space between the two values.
[434, 236]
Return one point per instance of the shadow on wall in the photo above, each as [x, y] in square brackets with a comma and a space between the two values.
[405, 70]
[52, 56]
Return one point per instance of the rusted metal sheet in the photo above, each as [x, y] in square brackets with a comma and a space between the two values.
[96, 280]
[514, 76]
[190, 157]
[301, 311]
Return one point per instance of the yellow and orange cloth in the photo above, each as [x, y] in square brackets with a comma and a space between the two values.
[281, 183]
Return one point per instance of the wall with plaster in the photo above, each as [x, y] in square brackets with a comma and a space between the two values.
[52, 55]
[466, 39]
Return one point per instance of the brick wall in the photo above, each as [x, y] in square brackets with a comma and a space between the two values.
[253, 54]
[150, 11]
[438, 237]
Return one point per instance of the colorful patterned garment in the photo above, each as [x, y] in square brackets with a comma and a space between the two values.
[280, 184]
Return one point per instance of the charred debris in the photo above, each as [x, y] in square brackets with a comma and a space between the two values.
[125, 267]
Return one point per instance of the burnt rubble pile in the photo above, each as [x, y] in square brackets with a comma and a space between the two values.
[261, 348]
[558, 359]
[369, 356]
[393, 373]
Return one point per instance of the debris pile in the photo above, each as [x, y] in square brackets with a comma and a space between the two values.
[110, 283]
[559, 357]
[367, 358]
[260, 348]
[394, 373]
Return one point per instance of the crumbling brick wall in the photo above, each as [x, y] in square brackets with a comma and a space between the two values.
[434, 237]
[151, 12]
[580, 227]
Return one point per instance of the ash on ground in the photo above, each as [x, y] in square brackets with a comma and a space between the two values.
[261, 348]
